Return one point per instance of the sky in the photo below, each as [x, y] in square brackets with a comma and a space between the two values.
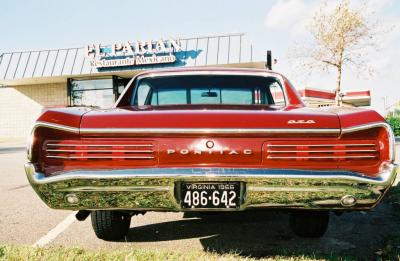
[278, 25]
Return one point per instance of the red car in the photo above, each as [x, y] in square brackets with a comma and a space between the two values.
[210, 140]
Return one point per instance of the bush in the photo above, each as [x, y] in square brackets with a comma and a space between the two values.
[394, 122]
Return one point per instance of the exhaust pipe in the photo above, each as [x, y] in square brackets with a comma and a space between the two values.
[81, 215]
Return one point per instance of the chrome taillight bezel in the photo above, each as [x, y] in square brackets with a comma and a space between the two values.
[391, 137]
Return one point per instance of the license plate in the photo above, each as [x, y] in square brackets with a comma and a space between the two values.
[210, 195]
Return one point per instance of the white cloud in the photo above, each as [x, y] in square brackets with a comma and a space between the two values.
[378, 5]
[292, 15]
[295, 15]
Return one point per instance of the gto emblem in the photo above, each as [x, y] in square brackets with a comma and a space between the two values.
[301, 122]
[210, 152]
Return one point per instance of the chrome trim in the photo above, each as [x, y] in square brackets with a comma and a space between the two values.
[99, 157]
[322, 151]
[211, 130]
[116, 189]
[155, 188]
[240, 72]
[46, 125]
[55, 126]
[363, 127]
[397, 180]
[101, 145]
[204, 131]
[218, 131]
[104, 151]
[317, 145]
[214, 172]
[295, 189]
[389, 130]
[178, 131]
[320, 157]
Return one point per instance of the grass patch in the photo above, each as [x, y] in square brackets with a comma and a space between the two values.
[12, 252]
[391, 250]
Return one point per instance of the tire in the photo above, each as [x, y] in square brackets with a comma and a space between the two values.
[311, 224]
[110, 225]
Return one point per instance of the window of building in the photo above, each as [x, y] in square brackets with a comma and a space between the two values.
[100, 93]
[96, 93]
[277, 94]
[119, 85]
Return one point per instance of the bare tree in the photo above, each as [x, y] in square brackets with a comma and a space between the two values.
[342, 36]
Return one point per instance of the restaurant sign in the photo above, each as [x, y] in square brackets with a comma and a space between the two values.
[133, 53]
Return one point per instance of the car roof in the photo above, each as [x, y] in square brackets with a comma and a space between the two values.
[206, 69]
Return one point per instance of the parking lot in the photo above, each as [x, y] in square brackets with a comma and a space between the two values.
[26, 220]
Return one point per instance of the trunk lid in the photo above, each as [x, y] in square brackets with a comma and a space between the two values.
[222, 136]
[186, 120]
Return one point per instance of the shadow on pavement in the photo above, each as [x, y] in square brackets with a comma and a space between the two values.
[262, 234]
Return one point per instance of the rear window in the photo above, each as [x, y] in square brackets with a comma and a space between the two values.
[208, 89]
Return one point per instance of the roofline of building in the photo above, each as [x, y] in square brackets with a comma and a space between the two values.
[79, 47]
[123, 74]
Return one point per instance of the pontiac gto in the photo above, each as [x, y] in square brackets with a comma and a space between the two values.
[210, 140]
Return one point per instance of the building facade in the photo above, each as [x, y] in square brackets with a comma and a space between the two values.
[95, 75]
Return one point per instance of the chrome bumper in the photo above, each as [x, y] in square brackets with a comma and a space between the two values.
[156, 188]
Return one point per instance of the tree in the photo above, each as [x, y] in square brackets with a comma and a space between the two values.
[342, 36]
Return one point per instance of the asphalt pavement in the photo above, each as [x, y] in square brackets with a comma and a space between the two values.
[26, 220]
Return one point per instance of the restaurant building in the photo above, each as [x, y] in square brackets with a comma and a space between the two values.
[96, 74]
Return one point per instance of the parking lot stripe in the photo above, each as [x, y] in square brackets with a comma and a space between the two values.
[57, 230]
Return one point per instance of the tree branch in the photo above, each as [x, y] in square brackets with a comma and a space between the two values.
[330, 63]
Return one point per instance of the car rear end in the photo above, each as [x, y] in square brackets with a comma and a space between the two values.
[171, 171]
[269, 152]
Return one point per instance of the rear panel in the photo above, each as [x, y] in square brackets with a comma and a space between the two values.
[362, 152]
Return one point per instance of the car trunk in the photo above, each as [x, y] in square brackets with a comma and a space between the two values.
[238, 138]
[173, 136]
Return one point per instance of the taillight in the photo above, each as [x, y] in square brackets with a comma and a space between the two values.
[78, 150]
[354, 150]
[363, 156]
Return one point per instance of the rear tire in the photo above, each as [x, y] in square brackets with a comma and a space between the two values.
[311, 224]
[110, 225]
